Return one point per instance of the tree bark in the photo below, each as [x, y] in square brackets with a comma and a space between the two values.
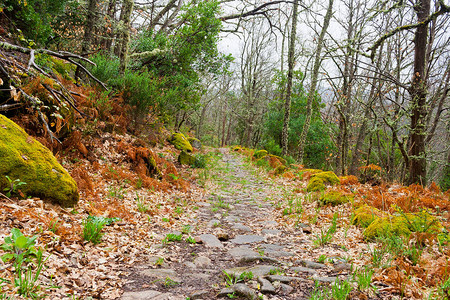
[287, 103]
[127, 10]
[312, 89]
[89, 29]
[418, 91]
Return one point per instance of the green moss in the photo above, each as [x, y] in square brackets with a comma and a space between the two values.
[260, 154]
[327, 177]
[389, 225]
[24, 158]
[181, 142]
[315, 184]
[186, 159]
[334, 198]
[196, 143]
[62, 68]
[365, 215]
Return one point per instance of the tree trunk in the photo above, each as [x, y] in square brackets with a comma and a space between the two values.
[418, 91]
[287, 103]
[89, 29]
[312, 89]
[123, 56]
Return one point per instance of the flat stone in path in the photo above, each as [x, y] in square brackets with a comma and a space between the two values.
[242, 251]
[247, 239]
[266, 286]
[325, 279]
[281, 278]
[161, 273]
[303, 270]
[312, 265]
[150, 295]
[239, 226]
[211, 240]
[260, 270]
[240, 289]
[271, 232]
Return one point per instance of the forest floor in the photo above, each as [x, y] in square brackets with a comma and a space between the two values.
[243, 247]
[230, 230]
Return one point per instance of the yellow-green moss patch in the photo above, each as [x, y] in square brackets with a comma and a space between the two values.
[24, 158]
[422, 222]
[180, 142]
[389, 225]
[315, 184]
[280, 170]
[260, 154]
[327, 177]
[365, 215]
[196, 143]
[186, 159]
[334, 198]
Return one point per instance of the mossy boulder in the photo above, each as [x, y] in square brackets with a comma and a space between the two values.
[237, 148]
[315, 184]
[365, 215]
[180, 142]
[24, 158]
[389, 225]
[260, 154]
[327, 177]
[334, 198]
[186, 159]
[195, 143]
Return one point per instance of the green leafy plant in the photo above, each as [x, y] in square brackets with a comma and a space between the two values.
[363, 278]
[159, 261]
[322, 258]
[142, 207]
[319, 293]
[13, 186]
[92, 228]
[172, 237]
[28, 261]
[191, 240]
[168, 282]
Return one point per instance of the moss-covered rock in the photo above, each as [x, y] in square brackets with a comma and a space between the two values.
[180, 142]
[196, 143]
[186, 159]
[24, 158]
[365, 215]
[315, 184]
[327, 177]
[334, 198]
[260, 154]
[389, 225]
[237, 148]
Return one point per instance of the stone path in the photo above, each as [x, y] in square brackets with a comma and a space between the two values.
[241, 251]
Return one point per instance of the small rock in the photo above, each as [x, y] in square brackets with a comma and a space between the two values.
[325, 279]
[202, 261]
[266, 286]
[198, 295]
[286, 289]
[305, 227]
[243, 290]
[142, 295]
[190, 265]
[253, 258]
[211, 240]
[247, 239]
[224, 292]
[339, 267]
[303, 270]
[312, 264]
[241, 227]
